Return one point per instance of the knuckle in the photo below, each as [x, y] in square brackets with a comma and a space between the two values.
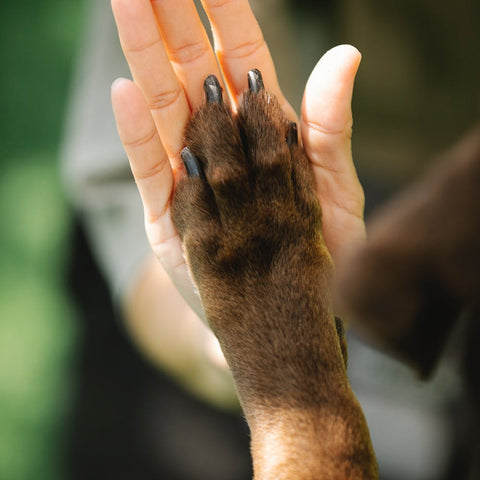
[165, 99]
[143, 47]
[141, 141]
[330, 126]
[189, 53]
[323, 129]
[157, 169]
[244, 50]
[216, 4]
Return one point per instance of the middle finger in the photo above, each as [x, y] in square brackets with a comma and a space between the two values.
[240, 47]
[187, 45]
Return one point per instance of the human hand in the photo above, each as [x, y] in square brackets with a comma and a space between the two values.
[169, 56]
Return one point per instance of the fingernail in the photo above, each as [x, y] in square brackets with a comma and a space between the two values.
[118, 81]
[191, 163]
[255, 81]
[213, 90]
[292, 135]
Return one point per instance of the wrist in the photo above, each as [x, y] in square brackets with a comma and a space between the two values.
[329, 440]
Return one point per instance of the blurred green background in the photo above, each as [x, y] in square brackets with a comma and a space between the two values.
[37, 330]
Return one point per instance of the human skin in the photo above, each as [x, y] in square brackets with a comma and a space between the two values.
[169, 55]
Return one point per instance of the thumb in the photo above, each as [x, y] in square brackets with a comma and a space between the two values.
[326, 133]
[326, 108]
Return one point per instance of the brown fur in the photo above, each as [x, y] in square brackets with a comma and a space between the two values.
[251, 228]
[421, 266]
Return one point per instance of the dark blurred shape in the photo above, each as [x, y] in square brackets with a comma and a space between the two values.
[421, 265]
[325, 5]
[129, 421]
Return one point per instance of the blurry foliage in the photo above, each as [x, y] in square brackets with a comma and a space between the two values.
[37, 42]
[37, 46]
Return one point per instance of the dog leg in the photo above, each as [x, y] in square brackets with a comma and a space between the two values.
[421, 265]
[251, 228]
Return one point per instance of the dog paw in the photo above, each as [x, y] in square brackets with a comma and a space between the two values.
[247, 201]
[250, 223]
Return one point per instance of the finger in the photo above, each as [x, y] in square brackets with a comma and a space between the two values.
[240, 47]
[326, 132]
[187, 45]
[327, 127]
[148, 159]
[144, 50]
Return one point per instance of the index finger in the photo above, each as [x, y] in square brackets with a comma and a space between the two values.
[240, 47]
[148, 159]
[152, 71]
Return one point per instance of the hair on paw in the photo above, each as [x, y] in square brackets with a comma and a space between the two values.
[251, 229]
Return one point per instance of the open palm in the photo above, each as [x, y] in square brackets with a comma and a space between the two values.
[169, 55]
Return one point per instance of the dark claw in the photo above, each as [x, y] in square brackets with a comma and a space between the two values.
[213, 90]
[255, 81]
[191, 163]
[340, 327]
[292, 135]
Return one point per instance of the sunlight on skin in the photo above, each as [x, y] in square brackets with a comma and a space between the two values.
[326, 123]
[169, 56]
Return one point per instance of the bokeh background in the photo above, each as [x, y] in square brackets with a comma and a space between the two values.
[38, 41]
[417, 92]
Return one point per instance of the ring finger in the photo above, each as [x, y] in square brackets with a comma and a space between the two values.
[188, 46]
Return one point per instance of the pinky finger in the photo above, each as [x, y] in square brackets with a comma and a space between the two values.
[148, 159]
